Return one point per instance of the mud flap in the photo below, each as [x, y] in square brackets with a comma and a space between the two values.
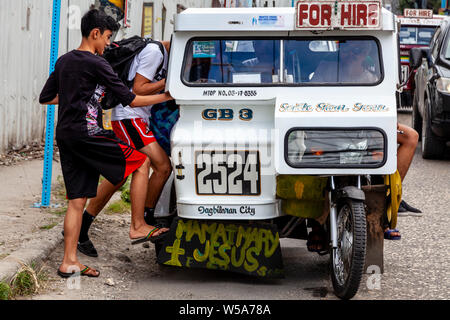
[252, 249]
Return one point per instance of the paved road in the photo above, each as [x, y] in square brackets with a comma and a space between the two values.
[415, 267]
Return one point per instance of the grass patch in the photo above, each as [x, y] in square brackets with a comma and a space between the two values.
[27, 281]
[3, 255]
[59, 212]
[5, 291]
[118, 206]
[125, 191]
[48, 226]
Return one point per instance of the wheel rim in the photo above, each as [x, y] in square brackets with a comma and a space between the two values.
[343, 254]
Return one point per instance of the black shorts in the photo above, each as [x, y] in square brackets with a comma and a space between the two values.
[84, 160]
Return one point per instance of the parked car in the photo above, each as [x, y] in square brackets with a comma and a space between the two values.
[414, 33]
[431, 103]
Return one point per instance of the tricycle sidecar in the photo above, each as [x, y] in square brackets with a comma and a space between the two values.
[286, 114]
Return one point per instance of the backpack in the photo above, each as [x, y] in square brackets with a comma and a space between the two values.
[120, 55]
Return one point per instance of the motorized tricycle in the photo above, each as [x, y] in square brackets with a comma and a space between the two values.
[287, 115]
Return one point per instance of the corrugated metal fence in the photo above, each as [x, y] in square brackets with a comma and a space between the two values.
[24, 52]
[25, 28]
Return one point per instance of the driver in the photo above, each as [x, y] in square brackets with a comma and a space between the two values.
[352, 64]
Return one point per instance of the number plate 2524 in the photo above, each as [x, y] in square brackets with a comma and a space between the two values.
[227, 173]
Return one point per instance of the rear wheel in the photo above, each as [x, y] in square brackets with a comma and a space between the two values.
[432, 147]
[347, 261]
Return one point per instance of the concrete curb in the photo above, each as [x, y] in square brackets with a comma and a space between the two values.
[35, 250]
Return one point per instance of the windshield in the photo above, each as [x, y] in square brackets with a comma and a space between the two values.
[447, 50]
[416, 35]
[305, 61]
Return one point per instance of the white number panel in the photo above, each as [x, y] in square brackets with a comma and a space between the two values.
[227, 173]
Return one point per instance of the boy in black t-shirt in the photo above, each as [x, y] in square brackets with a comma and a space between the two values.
[78, 84]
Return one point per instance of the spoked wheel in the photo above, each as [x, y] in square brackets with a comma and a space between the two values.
[347, 261]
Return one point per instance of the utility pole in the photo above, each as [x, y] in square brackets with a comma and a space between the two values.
[50, 122]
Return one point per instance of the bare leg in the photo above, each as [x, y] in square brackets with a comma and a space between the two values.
[162, 167]
[72, 224]
[138, 191]
[405, 153]
[104, 193]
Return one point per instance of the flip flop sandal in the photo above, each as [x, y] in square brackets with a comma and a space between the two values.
[77, 274]
[388, 234]
[151, 238]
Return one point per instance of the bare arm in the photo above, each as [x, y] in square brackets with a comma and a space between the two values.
[143, 86]
[142, 101]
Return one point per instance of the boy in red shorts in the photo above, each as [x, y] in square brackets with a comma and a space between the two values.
[87, 150]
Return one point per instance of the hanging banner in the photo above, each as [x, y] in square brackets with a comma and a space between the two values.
[252, 249]
[147, 20]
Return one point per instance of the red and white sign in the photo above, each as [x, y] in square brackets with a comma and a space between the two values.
[418, 13]
[328, 15]
[127, 9]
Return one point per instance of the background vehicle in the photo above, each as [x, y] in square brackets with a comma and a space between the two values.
[273, 131]
[431, 107]
[414, 33]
